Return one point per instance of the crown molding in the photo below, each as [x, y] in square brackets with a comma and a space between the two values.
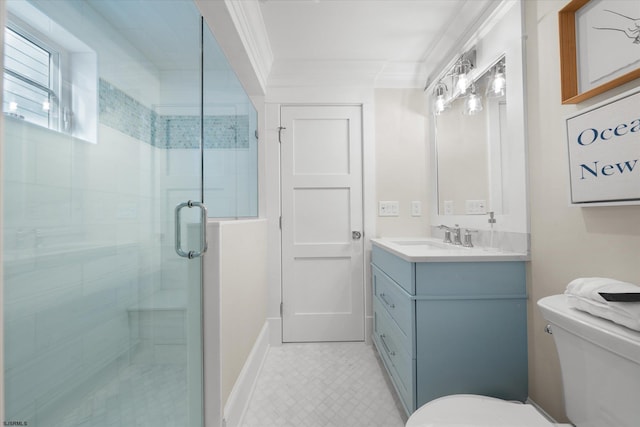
[247, 17]
[401, 75]
[240, 31]
[337, 73]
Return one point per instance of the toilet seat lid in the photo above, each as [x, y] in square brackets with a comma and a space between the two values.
[466, 410]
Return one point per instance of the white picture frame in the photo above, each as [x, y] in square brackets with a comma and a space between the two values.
[604, 152]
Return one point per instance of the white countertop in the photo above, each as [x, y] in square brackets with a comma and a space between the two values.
[425, 249]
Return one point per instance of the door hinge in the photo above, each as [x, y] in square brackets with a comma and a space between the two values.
[281, 309]
[280, 223]
[280, 129]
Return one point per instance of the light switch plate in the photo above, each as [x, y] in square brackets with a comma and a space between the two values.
[388, 208]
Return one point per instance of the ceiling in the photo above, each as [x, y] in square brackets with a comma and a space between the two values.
[389, 42]
[372, 43]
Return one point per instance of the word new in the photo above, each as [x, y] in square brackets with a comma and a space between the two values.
[608, 169]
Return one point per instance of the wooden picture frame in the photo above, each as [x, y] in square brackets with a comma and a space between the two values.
[569, 65]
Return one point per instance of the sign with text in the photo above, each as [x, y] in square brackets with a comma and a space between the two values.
[604, 152]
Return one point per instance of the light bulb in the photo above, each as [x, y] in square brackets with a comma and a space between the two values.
[439, 105]
[13, 106]
[462, 83]
[46, 106]
[473, 104]
[498, 84]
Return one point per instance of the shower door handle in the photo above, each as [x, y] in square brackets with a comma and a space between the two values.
[203, 230]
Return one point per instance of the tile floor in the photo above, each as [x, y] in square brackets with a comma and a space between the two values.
[141, 395]
[323, 385]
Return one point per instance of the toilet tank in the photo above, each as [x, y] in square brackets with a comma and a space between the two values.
[600, 363]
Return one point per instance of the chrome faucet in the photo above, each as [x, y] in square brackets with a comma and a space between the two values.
[456, 235]
[447, 233]
[467, 243]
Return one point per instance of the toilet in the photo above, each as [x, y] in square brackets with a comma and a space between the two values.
[591, 351]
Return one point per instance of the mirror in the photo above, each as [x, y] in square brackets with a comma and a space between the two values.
[468, 137]
[492, 163]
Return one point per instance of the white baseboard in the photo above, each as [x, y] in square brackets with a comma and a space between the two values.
[243, 388]
[368, 329]
[545, 414]
[275, 331]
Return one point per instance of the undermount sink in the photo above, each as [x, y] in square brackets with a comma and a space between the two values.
[436, 245]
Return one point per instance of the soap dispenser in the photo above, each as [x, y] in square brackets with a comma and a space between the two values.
[491, 221]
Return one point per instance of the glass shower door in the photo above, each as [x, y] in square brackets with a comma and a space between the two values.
[102, 112]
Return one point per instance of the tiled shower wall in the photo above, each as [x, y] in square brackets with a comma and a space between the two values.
[120, 111]
[88, 236]
[81, 247]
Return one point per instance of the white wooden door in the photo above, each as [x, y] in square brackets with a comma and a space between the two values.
[322, 244]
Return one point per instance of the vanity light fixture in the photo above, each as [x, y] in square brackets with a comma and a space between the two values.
[460, 75]
[473, 103]
[461, 70]
[497, 86]
[461, 79]
[439, 92]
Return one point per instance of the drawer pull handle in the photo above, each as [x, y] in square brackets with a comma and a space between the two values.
[383, 297]
[386, 347]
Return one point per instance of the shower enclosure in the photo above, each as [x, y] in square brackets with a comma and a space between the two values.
[116, 113]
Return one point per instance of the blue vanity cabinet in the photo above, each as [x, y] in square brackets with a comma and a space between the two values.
[451, 327]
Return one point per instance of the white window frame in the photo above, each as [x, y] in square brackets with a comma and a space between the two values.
[54, 87]
[74, 73]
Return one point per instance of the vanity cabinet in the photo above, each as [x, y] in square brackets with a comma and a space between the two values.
[450, 327]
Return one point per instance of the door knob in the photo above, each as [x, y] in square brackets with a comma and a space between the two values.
[356, 235]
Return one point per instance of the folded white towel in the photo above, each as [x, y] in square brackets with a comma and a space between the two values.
[584, 294]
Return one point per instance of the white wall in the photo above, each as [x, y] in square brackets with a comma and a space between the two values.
[401, 160]
[2, 23]
[235, 295]
[243, 255]
[566, 242]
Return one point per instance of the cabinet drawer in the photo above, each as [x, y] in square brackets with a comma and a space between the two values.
[457, 279]
[397, 303]
[401, 271]
[394, 354]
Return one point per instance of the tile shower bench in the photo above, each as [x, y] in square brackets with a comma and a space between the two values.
[449, 320]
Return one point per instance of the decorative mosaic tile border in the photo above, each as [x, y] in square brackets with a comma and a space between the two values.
[219, 132]
[122, 112]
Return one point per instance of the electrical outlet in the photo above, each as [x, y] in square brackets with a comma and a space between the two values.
[448, 207]
[416, 208]
[388, 208]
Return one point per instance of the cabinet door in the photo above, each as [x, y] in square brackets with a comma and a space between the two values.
[476, 346]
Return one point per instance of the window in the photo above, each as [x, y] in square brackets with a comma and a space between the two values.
[30, 80]
[51, 75]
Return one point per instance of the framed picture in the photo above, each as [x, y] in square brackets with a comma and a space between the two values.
[604, 152]
[599, 47]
